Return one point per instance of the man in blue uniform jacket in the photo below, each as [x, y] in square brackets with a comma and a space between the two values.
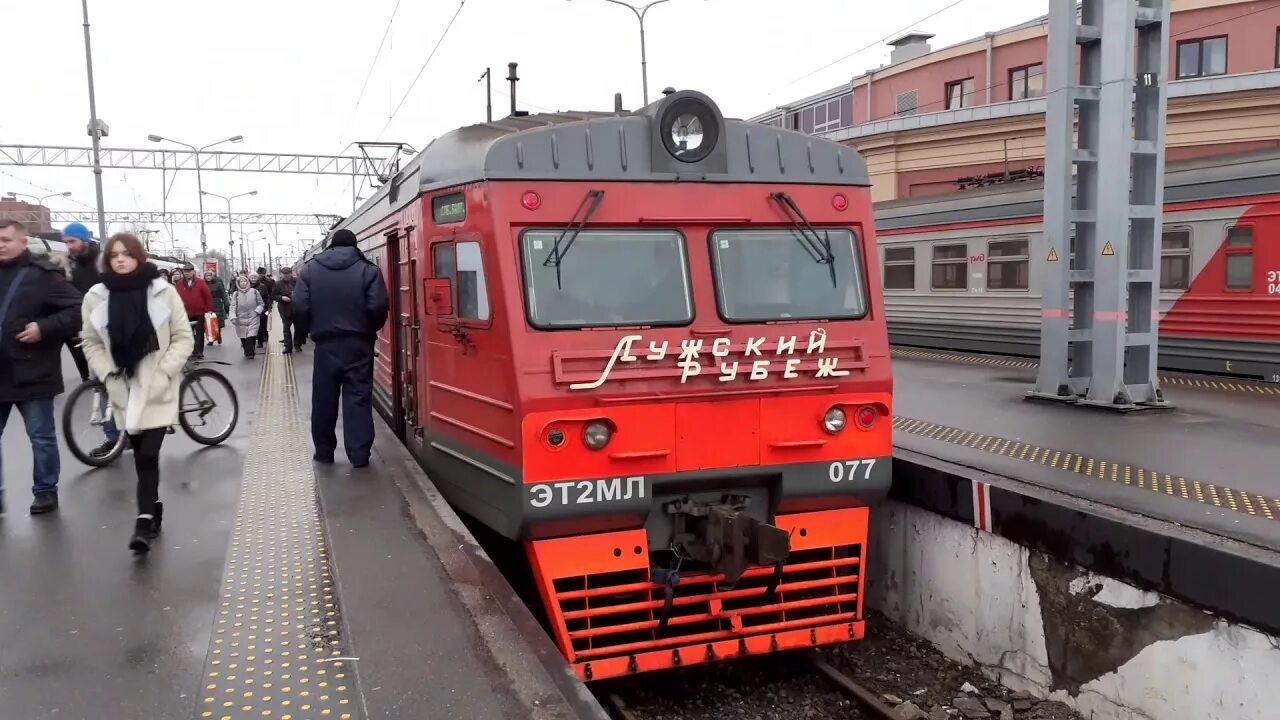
[341, 302]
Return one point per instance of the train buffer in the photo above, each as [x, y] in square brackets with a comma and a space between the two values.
[1207, 464]
[278, 589]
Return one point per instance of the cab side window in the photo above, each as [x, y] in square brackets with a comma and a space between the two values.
[463, 266]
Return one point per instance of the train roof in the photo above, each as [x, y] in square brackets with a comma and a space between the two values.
[612, 146]
[1214, 178]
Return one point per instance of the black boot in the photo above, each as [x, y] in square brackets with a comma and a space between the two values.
[44, 502]
[139, 543]
[157, 515]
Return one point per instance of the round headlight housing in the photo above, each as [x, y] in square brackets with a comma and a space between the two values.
[689, 129]
[834, 421]
[867, 416]
[596, 434]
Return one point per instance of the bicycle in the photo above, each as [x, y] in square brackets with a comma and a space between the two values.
[196, 405]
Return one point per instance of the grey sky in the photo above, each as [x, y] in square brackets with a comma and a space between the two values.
[286, 75]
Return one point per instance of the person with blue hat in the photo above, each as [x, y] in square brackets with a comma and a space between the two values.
[86, 271]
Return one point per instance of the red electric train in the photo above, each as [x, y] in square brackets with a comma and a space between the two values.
[651, 347]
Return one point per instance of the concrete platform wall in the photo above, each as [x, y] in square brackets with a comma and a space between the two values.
[1107, 648]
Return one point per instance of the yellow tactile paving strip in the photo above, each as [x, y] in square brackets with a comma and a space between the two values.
[1136, 476]
[1204, 383]
[277, 649]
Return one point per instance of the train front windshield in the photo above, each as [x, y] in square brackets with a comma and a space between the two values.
[788, 274]
[606, 278]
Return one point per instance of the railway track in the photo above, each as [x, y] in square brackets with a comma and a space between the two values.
[841, 695]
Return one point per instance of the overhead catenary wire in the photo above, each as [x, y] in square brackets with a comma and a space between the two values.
[873, 45]
[385, 34]
[425, 63]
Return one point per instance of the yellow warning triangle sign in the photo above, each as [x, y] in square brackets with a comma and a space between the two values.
[1053, 255]
[1107, 249]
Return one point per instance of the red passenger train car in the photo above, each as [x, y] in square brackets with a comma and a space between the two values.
[650, 347]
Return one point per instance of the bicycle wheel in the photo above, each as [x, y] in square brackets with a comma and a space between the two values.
[208, 408]
[87, 421]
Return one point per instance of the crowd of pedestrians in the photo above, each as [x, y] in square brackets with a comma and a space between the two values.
[135, 326]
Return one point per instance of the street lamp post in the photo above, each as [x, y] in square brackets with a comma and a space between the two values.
[640, 12]
[230, 227]
[97, 128]
[199, 183]
[39, 200]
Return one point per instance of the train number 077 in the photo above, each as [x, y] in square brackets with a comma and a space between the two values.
[848, 469]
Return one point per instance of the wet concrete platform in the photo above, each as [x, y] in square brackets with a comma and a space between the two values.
[278, 589]
[1208, 463]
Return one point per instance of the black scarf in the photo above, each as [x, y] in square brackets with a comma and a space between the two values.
[129, 328]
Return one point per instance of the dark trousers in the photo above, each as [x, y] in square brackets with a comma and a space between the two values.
[197, 327]
[146, 459]
[286, 325]
[262, 327]
[250, 346]
[77, 357]
[343, 366]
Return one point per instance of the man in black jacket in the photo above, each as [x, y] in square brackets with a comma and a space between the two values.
[267, 287]
[86, 271]
[40, 311]
[340, 300]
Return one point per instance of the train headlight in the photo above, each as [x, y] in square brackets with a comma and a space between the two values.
[867, 416]
[834, 421]
[596, 434]
[689, 129]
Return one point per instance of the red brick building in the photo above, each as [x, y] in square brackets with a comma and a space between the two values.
[932, 117]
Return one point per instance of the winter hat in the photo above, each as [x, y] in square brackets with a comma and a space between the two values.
[343, 238]
[77, 231]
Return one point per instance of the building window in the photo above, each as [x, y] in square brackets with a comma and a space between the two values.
[1175, 259]
[1239, 258]
[960, 94]
[473, 296]
[1026, 82]
[1278, 47]
[907, 103]
[900, 268]
[1202, 58]
[1008, 264]
[950, 267]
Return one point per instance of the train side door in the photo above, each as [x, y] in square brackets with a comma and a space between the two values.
[408, 331]
[469, 398]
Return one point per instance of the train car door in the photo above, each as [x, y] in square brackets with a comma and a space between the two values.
[408, 332]
[469, 401]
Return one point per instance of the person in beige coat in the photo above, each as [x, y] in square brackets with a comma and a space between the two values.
[137, 339]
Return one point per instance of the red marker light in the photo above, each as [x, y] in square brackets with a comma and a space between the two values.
[840, 202]
[866, 417]
[531, 201]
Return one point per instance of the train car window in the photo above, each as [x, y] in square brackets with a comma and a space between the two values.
[900, 268]
[606, 278]
[442, 263]
[1008, 264]
[1175, 259]
[1239, 258]
[950, 267]
[772, 274]
[472, 294]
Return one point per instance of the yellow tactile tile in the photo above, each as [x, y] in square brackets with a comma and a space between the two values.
[277, 633]
[1135, 476]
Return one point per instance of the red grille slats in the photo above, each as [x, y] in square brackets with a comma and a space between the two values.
[711, 636]
[677, 620]
[683, 600]
[751, 573]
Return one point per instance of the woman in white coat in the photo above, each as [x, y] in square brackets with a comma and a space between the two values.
[137, 338]
[245, 313]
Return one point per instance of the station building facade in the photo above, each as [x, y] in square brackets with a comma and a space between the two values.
[932, 122]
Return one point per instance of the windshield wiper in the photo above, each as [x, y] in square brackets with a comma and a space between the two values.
[817, 247]
[570, 233]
